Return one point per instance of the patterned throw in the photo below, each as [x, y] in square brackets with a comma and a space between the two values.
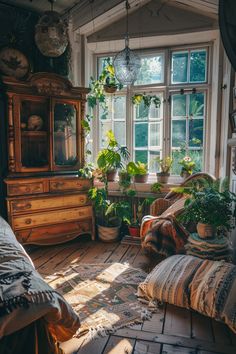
[103, 295]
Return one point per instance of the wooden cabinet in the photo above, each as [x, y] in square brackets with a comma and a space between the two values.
[46, 202]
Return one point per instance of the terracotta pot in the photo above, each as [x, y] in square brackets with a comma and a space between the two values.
[108, 234]
[205, 230]
[162, 177]
[141, 178]
[110, 89]
[111, 175]
[134, 231]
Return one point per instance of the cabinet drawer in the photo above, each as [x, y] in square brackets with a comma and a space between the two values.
[69, 184]
[25, 188]
[47, 218]
[47, 203]
[54, 234]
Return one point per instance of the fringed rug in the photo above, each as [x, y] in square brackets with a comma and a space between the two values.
[103, 295]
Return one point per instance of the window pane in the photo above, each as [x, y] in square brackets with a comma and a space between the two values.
[141, 111]
[198, 66]
[179, 106]
[178, 132]
[102, 63]
[120, 107]
[196, 132]
[197, 102]
[197, 157]
[176, 156]
[119, 131]
[179, 67]
[152, 163]
[154, 113]
[151, 71]
[154, 135]
[141, 155]
[141, 135]
[105, 126]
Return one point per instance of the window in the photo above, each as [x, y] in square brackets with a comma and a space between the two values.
[177, 127]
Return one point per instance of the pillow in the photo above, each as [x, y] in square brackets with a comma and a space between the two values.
[213, 291]
[169, 280]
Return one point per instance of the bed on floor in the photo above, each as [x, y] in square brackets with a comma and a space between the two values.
[34, 318]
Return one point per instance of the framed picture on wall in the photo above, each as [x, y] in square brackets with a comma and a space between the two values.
[233, 120]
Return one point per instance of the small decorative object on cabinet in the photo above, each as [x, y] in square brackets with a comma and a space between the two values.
[47, 201]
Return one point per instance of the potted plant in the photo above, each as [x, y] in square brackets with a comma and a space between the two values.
[109, 215]
[165, 166]
[138, 170]
[124, 178]
[111, 158]
[110, 83]
[136, 212]
[188, 166]
[210, 206]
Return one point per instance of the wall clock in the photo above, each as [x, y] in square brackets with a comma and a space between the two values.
[13, 63]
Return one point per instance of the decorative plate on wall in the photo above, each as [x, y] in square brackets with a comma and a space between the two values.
[13, 63]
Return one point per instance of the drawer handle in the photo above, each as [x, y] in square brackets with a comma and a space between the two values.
[27, 189]
[28, 221]
[22, 206]
[82, 200]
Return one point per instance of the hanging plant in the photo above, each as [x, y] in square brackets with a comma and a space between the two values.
[138, 98]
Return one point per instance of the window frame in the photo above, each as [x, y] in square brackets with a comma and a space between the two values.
[167, 88]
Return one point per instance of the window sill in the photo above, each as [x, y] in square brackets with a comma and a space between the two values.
[142, 189]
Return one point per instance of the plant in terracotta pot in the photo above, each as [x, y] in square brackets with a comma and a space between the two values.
[210, 205]
[188, 166]
[111, 158]
[164, 166]
[136, 212]
[138, 170]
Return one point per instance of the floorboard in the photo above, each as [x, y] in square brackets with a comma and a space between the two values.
[170, 330]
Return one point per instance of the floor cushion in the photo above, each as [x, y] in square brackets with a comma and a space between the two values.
[169, 280]
[213, 291]
[206, 286]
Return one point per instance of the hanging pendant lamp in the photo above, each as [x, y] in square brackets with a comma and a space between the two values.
[127, 63]
[51, 35]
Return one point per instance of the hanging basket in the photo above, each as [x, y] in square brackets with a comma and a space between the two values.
[110, 89]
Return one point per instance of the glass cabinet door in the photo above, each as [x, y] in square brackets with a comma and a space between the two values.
[65, 134]
[34, 128]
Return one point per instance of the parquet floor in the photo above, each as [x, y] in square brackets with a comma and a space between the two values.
[173, 330]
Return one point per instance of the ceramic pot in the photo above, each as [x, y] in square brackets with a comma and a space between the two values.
[108, 234]
[162, 177]
[141, 178]
[205, 230]
[134, 231]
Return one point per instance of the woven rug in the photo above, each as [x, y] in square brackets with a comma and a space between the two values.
[103, 295]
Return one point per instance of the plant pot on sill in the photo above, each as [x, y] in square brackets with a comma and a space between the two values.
[110, 88]
[141, 178]
[205, 230]
[134, 230]
[108, 234]
[162, 177]
[111, 175]
[185, 174]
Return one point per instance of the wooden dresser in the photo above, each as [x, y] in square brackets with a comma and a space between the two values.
[49, 210]
[47, 203]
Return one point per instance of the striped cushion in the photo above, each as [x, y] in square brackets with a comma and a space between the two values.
[213, 291]
[169, 280]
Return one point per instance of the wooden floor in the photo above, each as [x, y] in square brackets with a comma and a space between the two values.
[171, 330]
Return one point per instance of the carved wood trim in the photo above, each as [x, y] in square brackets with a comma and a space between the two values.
[11, 140]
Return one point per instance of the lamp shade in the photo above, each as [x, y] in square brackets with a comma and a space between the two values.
[51, 35]
[127, 65]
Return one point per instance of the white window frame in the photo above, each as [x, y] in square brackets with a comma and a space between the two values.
[167, 88]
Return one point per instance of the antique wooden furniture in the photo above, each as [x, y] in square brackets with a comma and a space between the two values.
[46, 201]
